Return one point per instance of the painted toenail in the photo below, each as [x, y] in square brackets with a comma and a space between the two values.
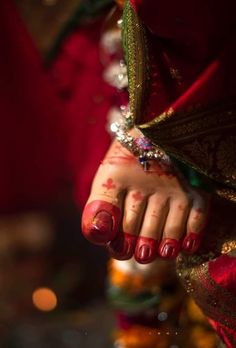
[100, 222]
[119, 245]
[167, 251]
[103, 222]
[123, 246]
[169, 248]
[145, 251]
[191, 242]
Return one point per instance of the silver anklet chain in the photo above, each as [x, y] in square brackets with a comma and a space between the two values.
[140, 147]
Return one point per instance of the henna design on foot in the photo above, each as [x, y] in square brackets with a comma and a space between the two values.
[109, 184]
[137, 196]
[149, 199]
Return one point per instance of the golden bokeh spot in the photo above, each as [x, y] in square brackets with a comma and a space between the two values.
[44, 299]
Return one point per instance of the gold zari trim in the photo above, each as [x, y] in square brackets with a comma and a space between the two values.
[216, 301]
[228, 194]
[229, 246]
[136, 56]
[204, 139]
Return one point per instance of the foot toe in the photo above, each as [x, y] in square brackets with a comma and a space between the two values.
[146, 250]
[174, 229]
[191, 242]
[169, 248]
[151, 230]
[123, 246]
[100, 221]
[196, 224]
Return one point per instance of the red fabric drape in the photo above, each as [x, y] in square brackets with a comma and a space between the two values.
[193, 48]
[77, 74]
[52, 123]
[33, 134]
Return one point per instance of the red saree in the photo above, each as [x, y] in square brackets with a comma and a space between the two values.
[77, 75]
[33, 133]
[181, 63]
[50, 120]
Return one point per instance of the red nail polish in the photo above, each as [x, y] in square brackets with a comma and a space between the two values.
[100, 221]
[146, 250]
[123, 246]
[191, 242]
[103, 221]
[169, 248]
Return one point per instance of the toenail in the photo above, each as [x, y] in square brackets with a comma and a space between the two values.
[169, 248]
[103, 221]
[123, 246]
[100, 222]
[191, 242]
[119, 244]
[145, 251]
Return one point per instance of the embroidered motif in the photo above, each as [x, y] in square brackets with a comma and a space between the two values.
[228, 246]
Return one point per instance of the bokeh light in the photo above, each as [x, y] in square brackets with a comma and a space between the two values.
[44, 299]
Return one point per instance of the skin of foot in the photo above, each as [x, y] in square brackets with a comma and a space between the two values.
[145, 214]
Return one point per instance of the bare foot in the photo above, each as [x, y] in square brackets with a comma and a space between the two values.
[147, 214]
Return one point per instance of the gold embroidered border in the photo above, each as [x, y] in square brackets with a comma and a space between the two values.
[136, 55]
[216, 302]
[205, 139]
[229, 247]
[228, 194]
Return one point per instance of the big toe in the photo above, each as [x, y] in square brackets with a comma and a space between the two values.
[100, 221]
